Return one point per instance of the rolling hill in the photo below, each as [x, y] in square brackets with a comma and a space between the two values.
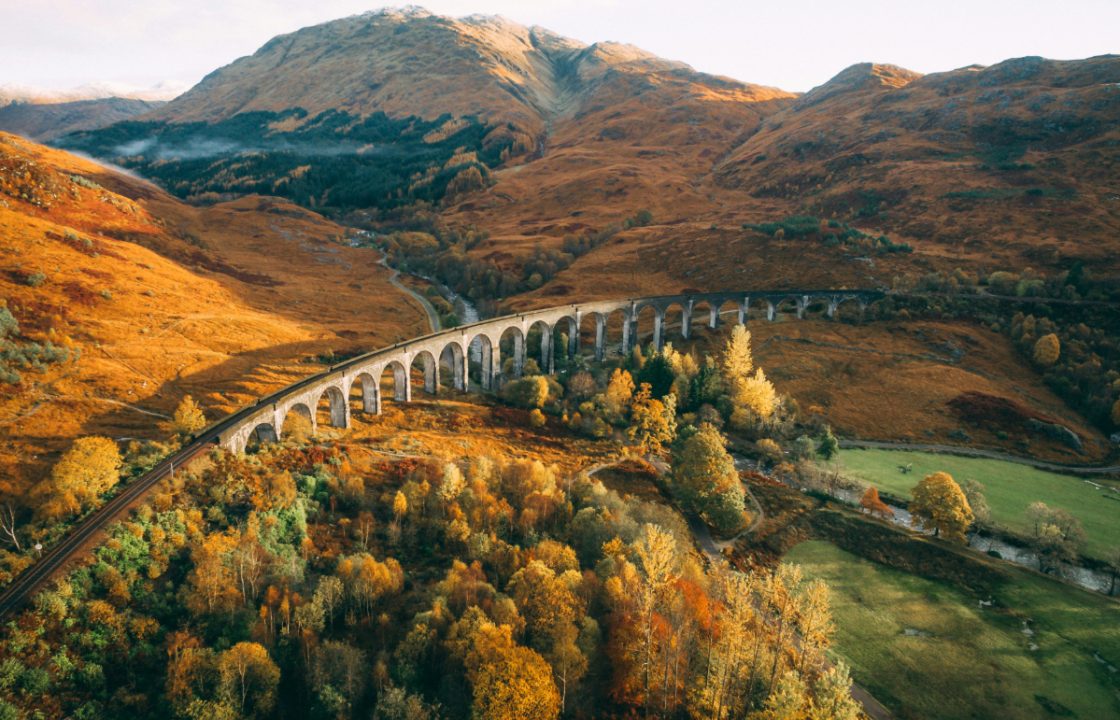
[126, 300]
[46, 120]
[538, 169]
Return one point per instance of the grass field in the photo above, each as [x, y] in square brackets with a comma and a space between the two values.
[927, 650]
[1009, 487]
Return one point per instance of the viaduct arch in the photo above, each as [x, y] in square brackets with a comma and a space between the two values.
[453, 349]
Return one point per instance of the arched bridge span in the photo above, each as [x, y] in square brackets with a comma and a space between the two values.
[445, 356]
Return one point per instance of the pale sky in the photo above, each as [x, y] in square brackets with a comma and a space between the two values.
[792, 44]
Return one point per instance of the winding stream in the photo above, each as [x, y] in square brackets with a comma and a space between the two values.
[1093, 580]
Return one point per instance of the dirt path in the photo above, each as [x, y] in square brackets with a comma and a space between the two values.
[394, 275]
[981, 453]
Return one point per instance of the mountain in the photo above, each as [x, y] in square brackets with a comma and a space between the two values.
[545, 151]
[409, 62]
[125, 299]
[46, 114]
[159, 93]
[1020, 157]
[47, 120]
[422, 108]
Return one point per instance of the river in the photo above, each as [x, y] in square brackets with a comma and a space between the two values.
[1093, 580]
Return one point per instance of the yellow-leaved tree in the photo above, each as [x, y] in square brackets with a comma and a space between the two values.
[653, 423]
[89, 469]
[509, 681]
[1047, 350]
[752, 395]
[620, 390]
[940, 505]
[248, 679]
[736, 361]
[188, 418]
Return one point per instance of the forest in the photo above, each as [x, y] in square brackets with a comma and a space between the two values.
[435, 574]
[333, 162]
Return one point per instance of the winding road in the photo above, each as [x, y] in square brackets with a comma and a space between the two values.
[394, 280]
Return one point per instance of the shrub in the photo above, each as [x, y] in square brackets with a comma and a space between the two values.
[527, 392]
[35, 279]
[536, 418]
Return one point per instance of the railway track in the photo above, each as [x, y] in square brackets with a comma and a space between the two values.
[57, 557]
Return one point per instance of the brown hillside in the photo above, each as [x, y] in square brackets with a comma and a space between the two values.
[47, 120]
[163, 299]
[406, 62]
[1014, 163]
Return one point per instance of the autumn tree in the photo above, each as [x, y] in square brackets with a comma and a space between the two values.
[736, 361]
[509, 681]
[940, 505]
[734, 637]
[1047, 349]
[9, 524]
[527, 392]
[581, 385]
[704, 475]
[1056, 535]
[248, 679]
[814, 625]
[188, 666]
[551, 609]
[872, 503]
[187, 419]
[978, 502]
[89, 469]
[655, 550]
[653, 422]
[752, 397]
[213, 583]
[617, 397]
[367, 580]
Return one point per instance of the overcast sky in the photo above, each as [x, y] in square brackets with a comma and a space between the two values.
[792, 44]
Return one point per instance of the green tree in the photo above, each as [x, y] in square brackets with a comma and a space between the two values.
[338, 676]
[528, 392]
[657, 372]
[940, 505]
[829, 446]
[832, 696]
[705, 477]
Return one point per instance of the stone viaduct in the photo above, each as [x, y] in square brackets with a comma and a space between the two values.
[453, 351]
